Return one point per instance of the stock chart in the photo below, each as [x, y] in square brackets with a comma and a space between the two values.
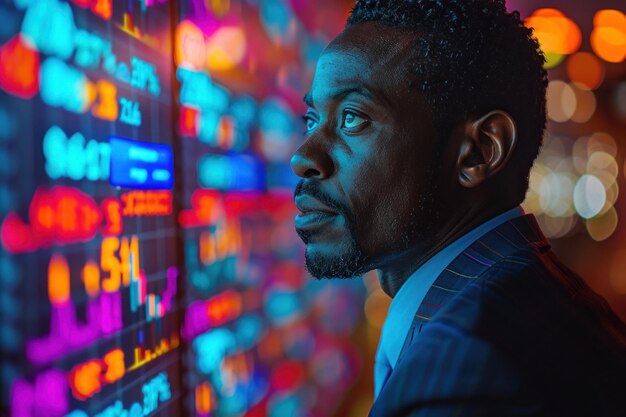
[148, 262]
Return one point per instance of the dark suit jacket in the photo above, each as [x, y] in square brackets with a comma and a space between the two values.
[508, 330]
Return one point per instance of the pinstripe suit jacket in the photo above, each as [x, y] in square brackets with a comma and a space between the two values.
[507, 330]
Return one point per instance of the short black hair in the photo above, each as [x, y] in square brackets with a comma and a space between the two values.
[471, 57]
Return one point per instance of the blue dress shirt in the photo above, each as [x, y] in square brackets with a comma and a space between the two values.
[408, 299]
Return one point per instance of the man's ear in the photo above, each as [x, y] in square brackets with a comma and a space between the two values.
[486, 147]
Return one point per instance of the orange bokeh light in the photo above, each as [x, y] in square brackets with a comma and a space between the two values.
[556, 33]
[58, 280]
[91, 278]
[226, 48]
[608, 38]
[204, 398]
[106, 107]
[609, 43]
[84, 379]
[115, 368]
[610, 18]
[548, 12]
[190, 46]
[584, 69]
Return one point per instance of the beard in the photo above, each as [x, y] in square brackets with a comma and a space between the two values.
[349, 260]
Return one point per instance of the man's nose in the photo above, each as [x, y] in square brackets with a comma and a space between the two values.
[311, 160]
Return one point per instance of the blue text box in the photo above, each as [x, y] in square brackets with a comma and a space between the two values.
[141, 165]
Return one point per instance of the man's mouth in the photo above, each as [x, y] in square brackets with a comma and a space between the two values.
[313, 219]
[313, 213]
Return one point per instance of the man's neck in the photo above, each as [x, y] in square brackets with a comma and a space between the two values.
[397, 270]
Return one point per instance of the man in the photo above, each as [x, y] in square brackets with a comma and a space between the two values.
[424, 119]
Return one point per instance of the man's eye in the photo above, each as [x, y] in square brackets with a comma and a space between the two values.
[353, 121]
[309, 122]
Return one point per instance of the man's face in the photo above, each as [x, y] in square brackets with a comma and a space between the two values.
[368, 187]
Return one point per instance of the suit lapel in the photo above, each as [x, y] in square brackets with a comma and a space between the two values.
[497, 244]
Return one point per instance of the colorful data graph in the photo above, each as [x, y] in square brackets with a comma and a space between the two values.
[103, 314]
[155, 305]
[120, 259]
[142, 356]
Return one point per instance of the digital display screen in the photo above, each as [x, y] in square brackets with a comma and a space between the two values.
[263, 338]
[149, 265]
[89, 264]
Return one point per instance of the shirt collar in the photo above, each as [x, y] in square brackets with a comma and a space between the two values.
[408, 299]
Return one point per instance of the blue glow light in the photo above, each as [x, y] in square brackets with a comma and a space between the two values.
[249, 329]
[239, 172]
[22, 4]
[282, 306]
[63, 86]
[277, 19]
[49, 24]
[122, 73]
[144, 76]
[287, 404]
[281, 176]
[243, 111]
[90, 49]
[141, 165]
[278, 130]
[197, 90]
[130, 113]
[73, 158]
[212, 347]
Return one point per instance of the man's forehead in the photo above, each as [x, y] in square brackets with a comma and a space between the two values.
[366, 58]
[379, 44]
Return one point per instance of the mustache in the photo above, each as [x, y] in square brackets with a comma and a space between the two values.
[312, 189]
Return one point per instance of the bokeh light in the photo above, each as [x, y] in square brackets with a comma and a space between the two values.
[580, 155]
[574, 179]
[279, 21]
[561, 101]
[556, 227]
[190, 47]
[608, 38]
[585, 70]
[602, 227]
[555, 194]
[226, 48]
[558, 35]
[585, 104]
[604, 167]
[589, 196]
[277, 127]
[602, 142]
[612, 192]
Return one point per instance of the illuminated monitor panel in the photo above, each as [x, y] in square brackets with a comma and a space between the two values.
[89, 263]
[264, 339]
[148, 261]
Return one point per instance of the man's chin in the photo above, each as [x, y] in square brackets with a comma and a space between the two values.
[346, 261]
